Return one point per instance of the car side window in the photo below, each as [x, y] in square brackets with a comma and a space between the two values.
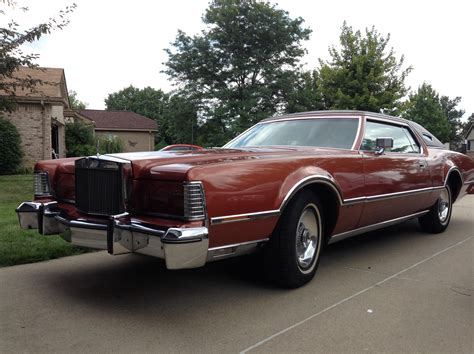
[403, 142]
[414, 144]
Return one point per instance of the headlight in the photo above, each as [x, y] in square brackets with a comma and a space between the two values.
[194, 201]
[41, 184]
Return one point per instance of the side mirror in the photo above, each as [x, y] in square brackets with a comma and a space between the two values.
[381, 144]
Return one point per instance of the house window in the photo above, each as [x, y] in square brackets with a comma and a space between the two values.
[470, 145]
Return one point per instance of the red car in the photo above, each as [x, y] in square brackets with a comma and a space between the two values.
[285, 187]
[181, 147]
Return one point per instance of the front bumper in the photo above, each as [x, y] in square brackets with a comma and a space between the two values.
[120, 234]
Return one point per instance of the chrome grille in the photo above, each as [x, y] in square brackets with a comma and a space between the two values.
[194, 201]
[99, 187]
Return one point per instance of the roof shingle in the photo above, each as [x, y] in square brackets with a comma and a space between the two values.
[118, 120]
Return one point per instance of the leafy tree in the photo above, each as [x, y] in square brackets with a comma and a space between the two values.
[180, 115]
[303, 93]
[239, 65]
[12, 57]
[74, 102]
[363, 74]
[148, 102]
[425, 108]
[79, 139]
[10, 154]
[453, 116]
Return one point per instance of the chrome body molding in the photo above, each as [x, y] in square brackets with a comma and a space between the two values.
[379, 197]
[373, 227]
[310, 180]
[269, 213]
[120, 234]
[244, 217]
[237, 249]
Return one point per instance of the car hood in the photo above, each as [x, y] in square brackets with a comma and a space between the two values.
[173, 164]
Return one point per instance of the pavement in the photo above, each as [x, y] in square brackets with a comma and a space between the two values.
[392, 290]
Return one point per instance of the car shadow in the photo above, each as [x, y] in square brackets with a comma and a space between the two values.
[140, 283]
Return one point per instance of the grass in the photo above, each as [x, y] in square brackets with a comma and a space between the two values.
[19, 246]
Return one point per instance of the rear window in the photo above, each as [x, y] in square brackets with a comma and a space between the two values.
[429, 138]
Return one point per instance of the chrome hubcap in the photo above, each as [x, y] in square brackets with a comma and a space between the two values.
[443, 206]
[307, 237]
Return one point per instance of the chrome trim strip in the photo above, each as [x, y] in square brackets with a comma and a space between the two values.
[385, 120]
[308, 180]
[357, 134]
[269, 213]
[388, 195]
[368, 228]
[238, 244]
[243, 217]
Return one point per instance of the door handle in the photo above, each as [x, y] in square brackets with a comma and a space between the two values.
[422, 164]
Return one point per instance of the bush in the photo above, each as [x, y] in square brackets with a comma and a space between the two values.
[79, 139]
[10, 153]
[111, 144]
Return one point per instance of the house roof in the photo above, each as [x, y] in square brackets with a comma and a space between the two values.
[118, 120]
[52, 89]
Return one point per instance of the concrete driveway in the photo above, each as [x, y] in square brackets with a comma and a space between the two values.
[393, 290]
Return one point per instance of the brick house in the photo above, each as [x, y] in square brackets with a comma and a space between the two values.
[136, 132]
[39, 114]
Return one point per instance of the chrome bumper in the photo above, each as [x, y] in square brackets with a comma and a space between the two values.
[121, 234]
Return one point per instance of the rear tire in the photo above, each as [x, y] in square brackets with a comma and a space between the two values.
[292, 255]
[439, 216]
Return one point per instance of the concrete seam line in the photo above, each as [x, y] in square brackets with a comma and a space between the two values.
[352, 296]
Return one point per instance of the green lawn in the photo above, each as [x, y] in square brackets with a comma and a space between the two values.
[19, 246]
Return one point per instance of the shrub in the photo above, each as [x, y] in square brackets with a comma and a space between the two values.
[79, 139]
[10, 151]
[110, 144]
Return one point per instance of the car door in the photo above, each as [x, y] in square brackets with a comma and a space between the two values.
[397, 181]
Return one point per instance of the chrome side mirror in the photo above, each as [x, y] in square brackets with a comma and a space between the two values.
[381, 144]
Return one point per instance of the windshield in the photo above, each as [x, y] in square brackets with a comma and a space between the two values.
[320, 132]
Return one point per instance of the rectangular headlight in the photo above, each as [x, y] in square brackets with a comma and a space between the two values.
[41, 184]
[194, 201]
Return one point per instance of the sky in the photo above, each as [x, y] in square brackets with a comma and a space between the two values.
[111, 44]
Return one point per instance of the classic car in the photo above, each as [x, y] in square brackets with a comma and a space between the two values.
[284, 188]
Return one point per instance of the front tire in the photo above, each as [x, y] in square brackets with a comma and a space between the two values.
[439, 216]
[293, 252]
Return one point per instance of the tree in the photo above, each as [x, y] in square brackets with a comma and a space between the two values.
[79, 139]
[148, 102]
[12, 57]
[453, 116]
[424, 107]
[10, 155]
[180, 115]
[238, 67]
[303, 93]
[74, 102]
[363, 74]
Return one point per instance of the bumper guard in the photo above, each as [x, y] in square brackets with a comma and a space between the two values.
[179, 247]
